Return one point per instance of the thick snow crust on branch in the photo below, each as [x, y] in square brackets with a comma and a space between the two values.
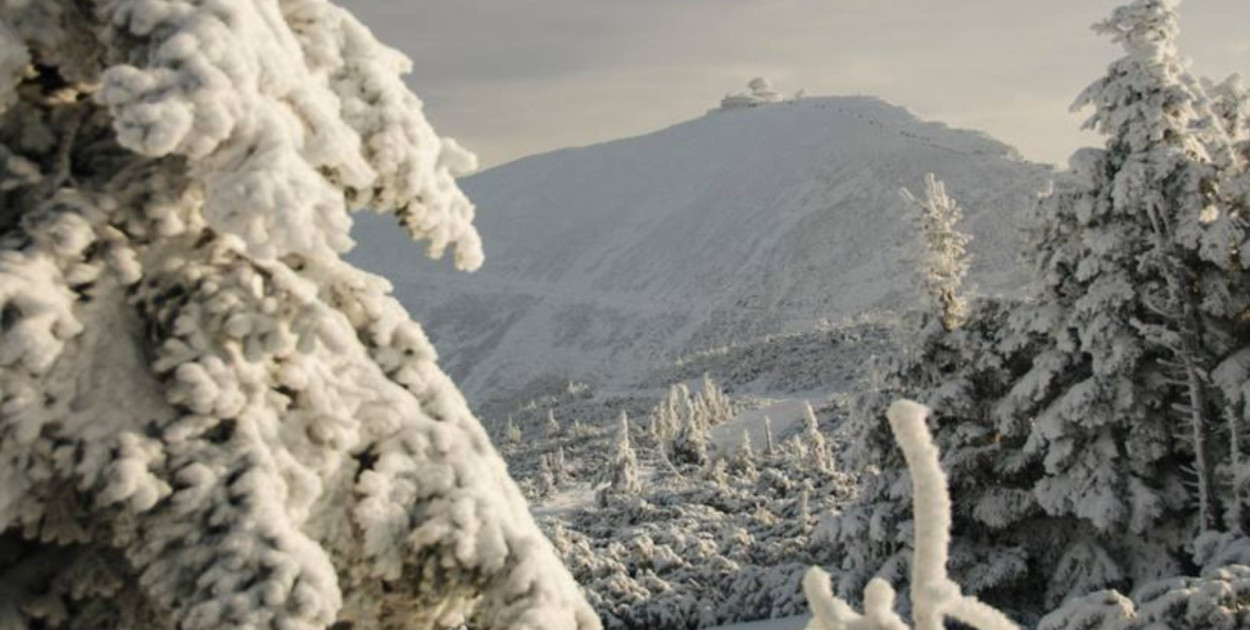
[934, 595]
[283, 107]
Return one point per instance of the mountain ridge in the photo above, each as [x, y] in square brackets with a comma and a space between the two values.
[608, 260]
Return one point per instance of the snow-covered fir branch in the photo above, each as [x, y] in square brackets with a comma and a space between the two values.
[934, 595]
[209, 419]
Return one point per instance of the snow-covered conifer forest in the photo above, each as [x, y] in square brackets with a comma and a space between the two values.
[801, 362]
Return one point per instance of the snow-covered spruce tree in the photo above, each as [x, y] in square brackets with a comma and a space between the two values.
[961, 363]
[1136, 268]
[690, 445]
[560, 467]
[746, 450]
[814, 444]
[551, 428]
[743, 459]
[663, 419]
[207, 419]
[945, 259]
[545, 480]
[676, 409]
[804, 511]
[690, 441]
[511, 433]
[1215, 601]
[624, 468]
[1000, 549]
[715, 403]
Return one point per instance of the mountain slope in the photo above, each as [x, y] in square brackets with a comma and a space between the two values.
[607, 260]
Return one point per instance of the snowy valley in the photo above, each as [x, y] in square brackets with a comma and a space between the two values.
[766, 247]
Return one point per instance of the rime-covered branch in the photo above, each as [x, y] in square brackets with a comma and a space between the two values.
[934, 596]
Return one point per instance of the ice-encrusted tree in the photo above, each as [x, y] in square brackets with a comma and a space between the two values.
[746, 450]
[624, 479]
[1135, 253]
[208, 418]
[715, 403]
[560, 467]
[814, 444]
[545, 481]
[551, 428]
[945, 258]
[743, 459]
[662, 425]
[691, 443]
[1000, 548]
[803, 511]
[770, 447]
[511, 432]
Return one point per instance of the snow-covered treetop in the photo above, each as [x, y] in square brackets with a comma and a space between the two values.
[1147, 95]
[292, 112]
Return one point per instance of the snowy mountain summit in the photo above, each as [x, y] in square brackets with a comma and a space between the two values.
[607, 260]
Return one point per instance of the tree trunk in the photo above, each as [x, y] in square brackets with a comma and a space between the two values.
[1204, 449]
[1236, 511]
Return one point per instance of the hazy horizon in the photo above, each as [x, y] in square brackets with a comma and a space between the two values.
[510, 78]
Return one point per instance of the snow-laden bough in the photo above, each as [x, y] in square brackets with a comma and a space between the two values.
[934, 595]
[209, 420]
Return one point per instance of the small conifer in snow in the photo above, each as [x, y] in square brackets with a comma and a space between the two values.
[551, 428]
[945, 260]
[804, 511]
[625, 463]
[559, 467]
[691, 443]
[512, 433]
[545, 482]
[744, 458]
[1000, 548]
[815, 446]
[715, 403]
[746, 450]
[769, 446]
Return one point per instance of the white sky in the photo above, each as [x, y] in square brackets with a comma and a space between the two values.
[514, 77]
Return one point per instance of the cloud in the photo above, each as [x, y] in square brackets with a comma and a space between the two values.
[512, 77]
